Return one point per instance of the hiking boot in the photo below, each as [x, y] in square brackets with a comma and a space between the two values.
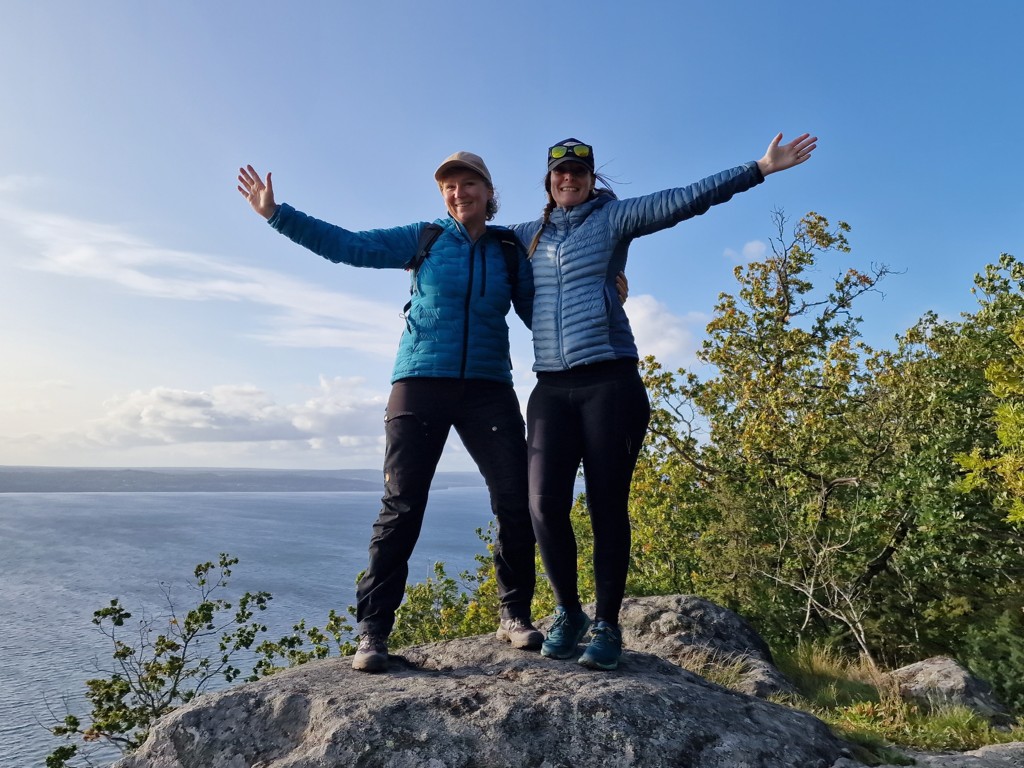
[372, 654]
[605, 647]
[521, 633]
[565, 634]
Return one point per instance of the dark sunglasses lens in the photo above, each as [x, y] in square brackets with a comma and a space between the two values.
[557, 152]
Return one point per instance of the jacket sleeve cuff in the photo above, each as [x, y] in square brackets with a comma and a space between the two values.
[280, 213]
[758, 176]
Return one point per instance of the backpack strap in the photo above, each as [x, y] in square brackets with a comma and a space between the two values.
[428, 235]
[510, 250]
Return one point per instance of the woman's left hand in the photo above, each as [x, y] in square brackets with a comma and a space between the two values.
[622, 287]
[780, 157]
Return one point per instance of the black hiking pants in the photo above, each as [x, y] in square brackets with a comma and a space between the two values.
[420, 414]
[598, 415]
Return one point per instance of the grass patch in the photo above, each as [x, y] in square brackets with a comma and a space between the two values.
[724, 669]
[863, 705]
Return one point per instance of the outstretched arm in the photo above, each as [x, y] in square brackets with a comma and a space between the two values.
[779, 158]
[260, 194]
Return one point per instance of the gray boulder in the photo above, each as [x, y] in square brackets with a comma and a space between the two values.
[942, 680]
[686, 629]
[478, 703]
[994, 756]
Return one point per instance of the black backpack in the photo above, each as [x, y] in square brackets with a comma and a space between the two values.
[430, 233]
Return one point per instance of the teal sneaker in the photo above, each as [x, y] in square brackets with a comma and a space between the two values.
[565, 634]
[605, 647]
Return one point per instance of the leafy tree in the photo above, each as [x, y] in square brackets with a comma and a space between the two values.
[943, 560]
[163, 661]
[1007, 377]
[757, 461]
[995, 652]
[442, 608]
[961, 561]
[994, 648]
[809, 481]
[303, 645]
[1003, 471]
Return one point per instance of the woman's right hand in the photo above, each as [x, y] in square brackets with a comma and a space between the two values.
[779, 158]
[260, 194]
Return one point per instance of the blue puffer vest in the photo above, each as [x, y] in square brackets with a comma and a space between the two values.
[577, 316]
[461, 293]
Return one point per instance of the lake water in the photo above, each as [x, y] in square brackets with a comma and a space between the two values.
[65, 555]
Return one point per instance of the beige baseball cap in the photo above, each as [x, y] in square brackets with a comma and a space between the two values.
[468, 160]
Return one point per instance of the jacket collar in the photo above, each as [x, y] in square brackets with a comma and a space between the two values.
[454, 224]
[573, 217]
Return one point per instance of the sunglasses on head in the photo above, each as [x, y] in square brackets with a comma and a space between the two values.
[580, 150]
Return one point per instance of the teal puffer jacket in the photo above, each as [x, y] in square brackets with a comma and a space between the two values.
[577, 317]
[455, 326]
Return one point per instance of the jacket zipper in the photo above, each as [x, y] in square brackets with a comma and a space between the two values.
[558, 279]
[465, 319]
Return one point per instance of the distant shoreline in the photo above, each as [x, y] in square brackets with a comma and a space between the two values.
[192, 480]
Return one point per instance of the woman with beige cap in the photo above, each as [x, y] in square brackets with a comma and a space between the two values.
[452, 371]
[590, 405]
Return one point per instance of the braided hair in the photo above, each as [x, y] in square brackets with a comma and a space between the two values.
[546, 218]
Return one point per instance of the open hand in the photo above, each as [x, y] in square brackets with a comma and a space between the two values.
[780, 157]
[260, 194]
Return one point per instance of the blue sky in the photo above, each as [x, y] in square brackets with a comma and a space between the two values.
[150, 318]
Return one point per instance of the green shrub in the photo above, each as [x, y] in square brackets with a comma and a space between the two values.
[996, 654]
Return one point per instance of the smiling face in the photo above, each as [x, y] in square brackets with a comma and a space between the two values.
[571, 184]
[465, 195]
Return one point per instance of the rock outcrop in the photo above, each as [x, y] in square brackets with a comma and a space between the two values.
[942, 680]
[994, 756]
[685, 628]
[478, 703]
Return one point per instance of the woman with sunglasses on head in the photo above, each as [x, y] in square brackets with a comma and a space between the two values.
[453, 370]
[590, 404]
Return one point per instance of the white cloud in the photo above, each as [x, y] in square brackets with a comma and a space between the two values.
[342, 409]
[19, 183]
[341, 423]
[301, 314]
[661, 333]
[164, 416]
[32, 397]
[307, 333]
[56, 412]
[755, 250]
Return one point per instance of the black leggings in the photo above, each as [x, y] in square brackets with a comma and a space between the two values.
[597, 414]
